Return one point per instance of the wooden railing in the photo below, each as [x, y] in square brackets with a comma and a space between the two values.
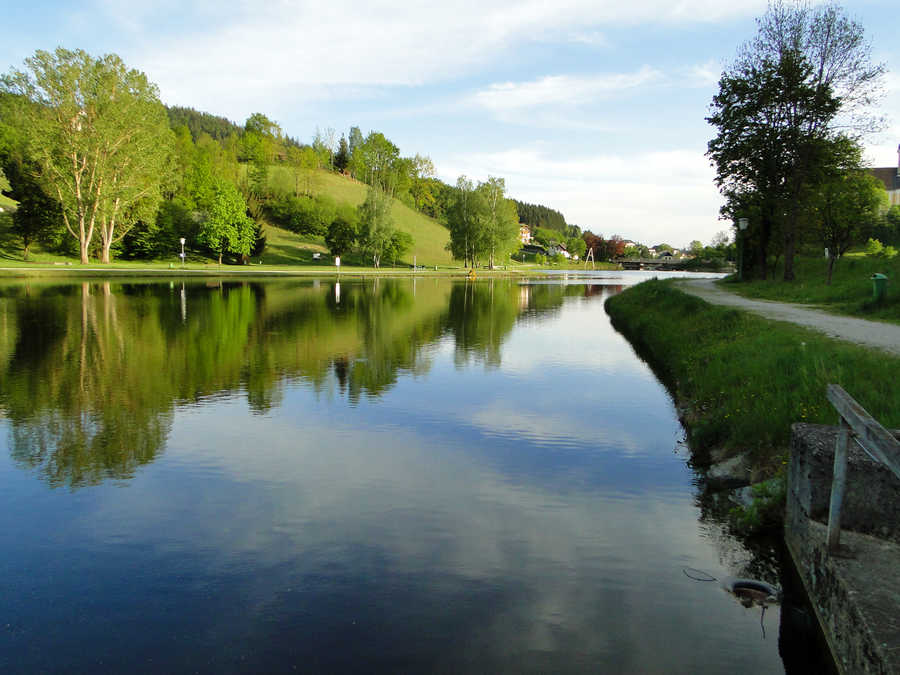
[877, 442]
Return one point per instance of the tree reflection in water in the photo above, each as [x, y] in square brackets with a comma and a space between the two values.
[92, 372]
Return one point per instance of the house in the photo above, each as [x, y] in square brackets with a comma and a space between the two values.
[559, 249]
[525, 233]
[890, 178]
[534, 249]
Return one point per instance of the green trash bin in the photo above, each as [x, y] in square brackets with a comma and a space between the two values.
[879, 287]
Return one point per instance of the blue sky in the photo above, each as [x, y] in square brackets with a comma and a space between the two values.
[592, 107]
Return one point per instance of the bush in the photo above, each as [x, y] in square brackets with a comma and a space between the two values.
[874, 247]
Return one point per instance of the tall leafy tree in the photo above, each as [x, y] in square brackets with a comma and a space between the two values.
[226, 227]
[849, 201]
[342, 156]
[376, 225]
[810, 71]
[354, 140]
[772, 128]
[464, 218]
[341, 234]
[500, 224]
[37, 217]
[100, 136]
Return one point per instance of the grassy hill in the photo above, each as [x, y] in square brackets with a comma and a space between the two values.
[282, 246]
[429, 236]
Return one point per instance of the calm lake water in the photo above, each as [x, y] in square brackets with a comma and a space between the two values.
[366, 476]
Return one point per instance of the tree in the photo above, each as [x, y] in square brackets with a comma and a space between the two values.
[576, 246]
[341, 235]
[594, 242]
[261, 125]
[399, 244]
[376, 226]
[354, 140]
[615, 247]
[848, 201]
[464, 220]
[806, 76]
[772, 128]
[100, 136]
[721, 239]
[342, 156]
[500, 224]
[37, 217]
[377, 161]
[227, 228]
[303, 162]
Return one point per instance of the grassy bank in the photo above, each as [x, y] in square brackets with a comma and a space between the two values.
[743, 380]
[850, 291]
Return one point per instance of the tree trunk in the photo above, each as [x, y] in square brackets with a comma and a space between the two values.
[830, 269]
[789, 245]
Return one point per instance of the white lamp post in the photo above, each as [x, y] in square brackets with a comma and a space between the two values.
[182, 240]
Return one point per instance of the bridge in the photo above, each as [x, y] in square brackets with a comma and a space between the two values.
[667, 263]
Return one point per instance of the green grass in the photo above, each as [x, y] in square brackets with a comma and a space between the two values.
[12, 249]
[744, 380]
[429, 236]
[285, 248]
[850, 291]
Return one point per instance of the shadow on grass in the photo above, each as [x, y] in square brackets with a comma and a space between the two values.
[10, 243]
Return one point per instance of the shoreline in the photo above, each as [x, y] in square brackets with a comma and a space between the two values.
[59, 270]
[739, 381]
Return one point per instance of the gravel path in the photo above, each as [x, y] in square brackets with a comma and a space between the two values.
[884, 336]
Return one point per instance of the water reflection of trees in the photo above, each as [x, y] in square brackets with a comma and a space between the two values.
[92, 372]
[79, 404]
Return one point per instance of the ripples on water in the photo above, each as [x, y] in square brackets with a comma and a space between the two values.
[448, 477]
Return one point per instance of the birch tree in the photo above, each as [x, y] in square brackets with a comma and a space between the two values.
[100, 137]
[500, 225]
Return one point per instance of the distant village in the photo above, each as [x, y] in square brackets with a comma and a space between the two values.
[631, 249]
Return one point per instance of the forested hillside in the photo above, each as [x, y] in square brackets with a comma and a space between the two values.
[146, 176]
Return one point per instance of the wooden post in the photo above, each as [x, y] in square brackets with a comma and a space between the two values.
[838, 484]
[876, 440]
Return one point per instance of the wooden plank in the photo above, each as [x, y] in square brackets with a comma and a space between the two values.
[838, 486]
[874, 437]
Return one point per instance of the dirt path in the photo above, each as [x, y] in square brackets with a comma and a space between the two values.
[884, 336]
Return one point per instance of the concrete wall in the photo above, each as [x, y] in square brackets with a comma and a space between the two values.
[872, 498]
[856, 594]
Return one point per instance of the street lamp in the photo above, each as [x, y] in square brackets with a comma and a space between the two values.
[182, 240]
[742, 227]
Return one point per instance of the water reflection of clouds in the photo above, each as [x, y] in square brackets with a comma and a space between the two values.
[582, 338]
[581, 575]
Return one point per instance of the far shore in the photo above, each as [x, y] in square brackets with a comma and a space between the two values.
[57, 270]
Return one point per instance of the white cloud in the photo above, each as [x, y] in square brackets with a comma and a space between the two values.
[650, 196]
[244, 49]
[704, 74]
[554, 90]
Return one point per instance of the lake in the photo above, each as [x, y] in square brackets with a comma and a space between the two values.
[379, 475]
